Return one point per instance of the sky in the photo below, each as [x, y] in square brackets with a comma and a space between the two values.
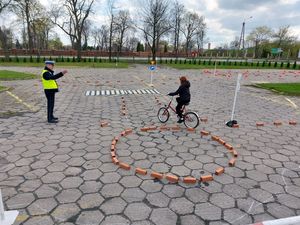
[224, 18]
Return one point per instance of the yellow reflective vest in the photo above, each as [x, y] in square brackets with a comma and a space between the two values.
[48, 84]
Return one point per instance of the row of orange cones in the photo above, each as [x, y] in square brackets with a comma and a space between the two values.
[123, 107]
[276, 123]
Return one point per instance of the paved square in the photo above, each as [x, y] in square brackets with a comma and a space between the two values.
[63, 174]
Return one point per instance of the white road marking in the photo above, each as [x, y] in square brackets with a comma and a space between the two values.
[292, 103]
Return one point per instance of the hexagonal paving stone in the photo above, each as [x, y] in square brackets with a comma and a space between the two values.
[20, 201]
[279, 211]
[137, 211]
[289, 200]
[76, 161]
[112, 177]
[163, 216]
[68, 196]
[208, 211]
[130, 181]
[45, 220]
[236, 216]
[196, 195]
[115, 219]
[71, 182]
[108, 167]
[113, 206]
[47, 190]
[256, 175]
[72, 171]
[193, 164]
[173, 191]
[235, 191]
[181, 171]
[191, 220]
[88, 201]
[144, 222]
[111, 190]
[89, 217]
[150, 186]
[222, 200]
[90, 186]
[54, 177]
[42, 206]
[65, 211]
[160, 167]
[30, 185]
[181, 206]
[250, 206]
[261, 195]
[272, 187]
[92, 164]
[174, 161]
[158, 199]
[57, 167]
[133, 195]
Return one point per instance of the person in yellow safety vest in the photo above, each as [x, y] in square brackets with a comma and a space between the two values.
[50, 87]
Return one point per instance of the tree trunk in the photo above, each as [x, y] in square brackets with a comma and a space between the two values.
[78, 48]
[28, 25]
[154, 44]
[256, 49]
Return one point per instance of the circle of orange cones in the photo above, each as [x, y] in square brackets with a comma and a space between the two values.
[170, 177]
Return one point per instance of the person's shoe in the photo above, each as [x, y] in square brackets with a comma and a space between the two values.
[180, 120]
[52, 121]
[54, 118]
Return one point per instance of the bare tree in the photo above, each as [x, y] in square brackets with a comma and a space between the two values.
[27, 11]
[177, 17]
[104, 37]
[4, 4]
[6, 38]
[71, 18]
[132, 43]
[283, 36]
[258, 36]
[123, 24]
[112, 26]
[191, 23]
[200, 37]
[86, 33]
[156, 23]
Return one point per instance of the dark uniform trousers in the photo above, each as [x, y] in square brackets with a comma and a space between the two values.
[50, 104]
[180, 104]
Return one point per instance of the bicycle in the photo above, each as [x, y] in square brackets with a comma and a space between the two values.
[190, 119]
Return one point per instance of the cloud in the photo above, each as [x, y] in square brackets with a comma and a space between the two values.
[225, 17]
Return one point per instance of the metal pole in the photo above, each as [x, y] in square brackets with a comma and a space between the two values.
[215, 68]
[151, 77]
[237, 88]
[2, 217]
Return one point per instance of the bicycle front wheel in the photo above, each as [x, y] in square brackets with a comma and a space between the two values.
[163, 114]
[191, 120]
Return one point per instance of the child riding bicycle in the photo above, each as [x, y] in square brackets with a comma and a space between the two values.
[184, 96]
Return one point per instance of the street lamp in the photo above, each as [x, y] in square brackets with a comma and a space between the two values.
[242, 37]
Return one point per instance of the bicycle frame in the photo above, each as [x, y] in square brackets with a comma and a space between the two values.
[174, 110]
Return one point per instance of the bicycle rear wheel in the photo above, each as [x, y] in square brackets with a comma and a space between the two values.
[191, 120]
[163, 114]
